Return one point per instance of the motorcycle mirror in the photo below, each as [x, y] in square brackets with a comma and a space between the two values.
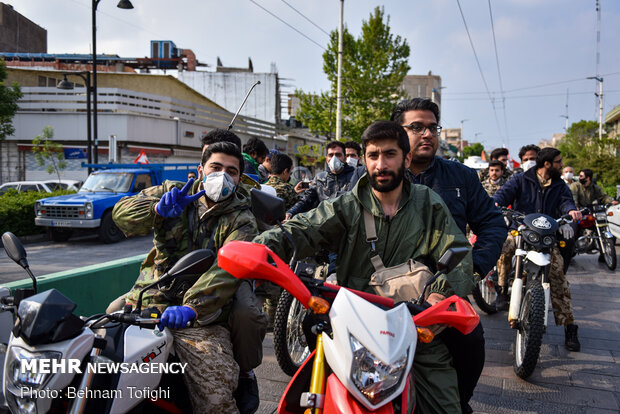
[266, 207]
[15, 250]
[196, 262]
[451, 258]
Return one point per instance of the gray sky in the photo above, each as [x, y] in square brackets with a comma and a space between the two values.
[544, 48]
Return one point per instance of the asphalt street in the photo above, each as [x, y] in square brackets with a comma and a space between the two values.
[564, 382]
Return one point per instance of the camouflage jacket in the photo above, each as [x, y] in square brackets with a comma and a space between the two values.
[284, 190]
[209, 293]
[490, 187]
[484, 174]
[584, 196]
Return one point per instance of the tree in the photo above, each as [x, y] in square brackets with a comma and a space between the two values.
[582, 148]
[9, 95]
[373, 68]
[474, 149]
[45, 150]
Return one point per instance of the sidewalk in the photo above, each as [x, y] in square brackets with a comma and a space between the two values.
[564, 382]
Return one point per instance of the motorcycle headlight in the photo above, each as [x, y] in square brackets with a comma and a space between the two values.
[601, 216]
[88, 210]
[375, 379]
[22, 368]
[547, 240]
[532, 237]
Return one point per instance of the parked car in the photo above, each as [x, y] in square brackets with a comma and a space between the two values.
[25, 186]
[71, 185]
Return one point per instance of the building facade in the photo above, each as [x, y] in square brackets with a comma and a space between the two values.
[18, 34]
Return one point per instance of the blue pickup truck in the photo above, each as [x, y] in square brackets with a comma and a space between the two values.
[91, 207]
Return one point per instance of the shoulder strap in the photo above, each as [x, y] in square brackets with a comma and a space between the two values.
[371, 237]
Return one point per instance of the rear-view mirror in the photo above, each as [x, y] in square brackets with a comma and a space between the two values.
[266, 207]
[451, 258]
[14, 249]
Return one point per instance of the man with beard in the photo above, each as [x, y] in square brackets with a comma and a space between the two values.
[411, 222]
[541, 190]
[461, 190]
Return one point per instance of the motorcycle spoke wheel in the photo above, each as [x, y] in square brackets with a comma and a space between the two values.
[528, 339]
[289, 342]
[609, 252]
[485, 293]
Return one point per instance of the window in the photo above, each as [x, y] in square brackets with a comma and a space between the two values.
[142, 181]
[28, 187]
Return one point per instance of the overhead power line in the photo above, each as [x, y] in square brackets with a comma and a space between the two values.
[499, 75]
[304, 16]
[289, 25]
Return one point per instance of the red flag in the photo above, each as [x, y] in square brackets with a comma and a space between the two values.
[483, 156]
[141, 158]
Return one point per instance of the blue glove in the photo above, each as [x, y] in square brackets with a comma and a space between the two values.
[174, 201]
[177, 317]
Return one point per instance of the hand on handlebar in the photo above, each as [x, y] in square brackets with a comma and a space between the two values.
[177, 317]
[174, 201]
[575, 214]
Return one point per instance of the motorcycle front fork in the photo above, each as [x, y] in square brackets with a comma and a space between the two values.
[315, 398]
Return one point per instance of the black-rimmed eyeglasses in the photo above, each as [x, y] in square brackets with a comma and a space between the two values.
[420, 129]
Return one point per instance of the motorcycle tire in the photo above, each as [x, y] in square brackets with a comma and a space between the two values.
[485, 292]
[608, 250]
[289, 342]
[530, 332]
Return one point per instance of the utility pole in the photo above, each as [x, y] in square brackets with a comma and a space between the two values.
[565, 116]
[598, 73]
[461, 141]
[339, 84]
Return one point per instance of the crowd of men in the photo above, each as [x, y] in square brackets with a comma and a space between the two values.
[421, 205]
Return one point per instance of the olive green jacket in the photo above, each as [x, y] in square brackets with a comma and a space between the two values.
[212, 291]
[584, 196]
[422, 229]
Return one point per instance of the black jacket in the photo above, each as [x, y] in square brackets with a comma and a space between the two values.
[325, 185]
[461, 190]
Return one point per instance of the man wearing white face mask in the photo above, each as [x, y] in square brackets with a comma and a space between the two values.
[527, 154]
[203, 214]
[336, 180]
[567, 175]
[353, 153]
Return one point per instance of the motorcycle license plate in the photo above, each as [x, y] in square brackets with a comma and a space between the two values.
[61, 223]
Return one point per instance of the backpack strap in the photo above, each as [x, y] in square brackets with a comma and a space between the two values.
[371, 237]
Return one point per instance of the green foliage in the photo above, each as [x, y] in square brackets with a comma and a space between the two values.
[49, 152]
[373, 68]
[17, 211]
[582, 148]
[9, 95]
[311, 154]
[474, 149]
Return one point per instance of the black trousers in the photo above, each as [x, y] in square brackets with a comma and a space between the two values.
[468, 358]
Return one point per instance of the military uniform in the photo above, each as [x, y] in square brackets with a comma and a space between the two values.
[584, 196]
[284, 190]
[207, 345]
[490, 187]
[484, 174]
[422, 229]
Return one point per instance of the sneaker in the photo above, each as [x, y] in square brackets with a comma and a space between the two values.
[246, 394]
[571, 341]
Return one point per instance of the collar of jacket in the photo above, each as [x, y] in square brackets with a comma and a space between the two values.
[427, 169]
[364, 194]
[249, 159]
[531, 176]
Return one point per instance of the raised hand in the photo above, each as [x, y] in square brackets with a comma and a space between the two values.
[174, 201]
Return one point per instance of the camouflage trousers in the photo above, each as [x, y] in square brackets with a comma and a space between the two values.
[560, 292]
[211, 374]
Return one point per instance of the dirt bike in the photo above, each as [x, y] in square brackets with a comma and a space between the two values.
[113, 363]
[535, 237]
[365, 345]
[596, 237]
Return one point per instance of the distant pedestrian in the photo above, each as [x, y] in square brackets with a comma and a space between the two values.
[254, 153]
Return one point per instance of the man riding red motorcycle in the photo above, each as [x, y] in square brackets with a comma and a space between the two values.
[410, 223]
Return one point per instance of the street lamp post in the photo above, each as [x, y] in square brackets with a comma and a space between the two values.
[65, 84]
[122, 4]
[461, 140]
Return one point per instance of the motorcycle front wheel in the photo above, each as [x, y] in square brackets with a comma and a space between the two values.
[609, 253]
[289, 342]
[485, 292]
[531, 329]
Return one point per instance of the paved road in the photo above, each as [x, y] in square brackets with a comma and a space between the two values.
[50, 257]
[564, 382]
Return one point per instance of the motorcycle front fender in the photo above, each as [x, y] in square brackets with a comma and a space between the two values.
[338, 400]
[538, 258]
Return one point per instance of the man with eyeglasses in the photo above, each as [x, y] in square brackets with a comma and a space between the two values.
[541, 190]
[461, 190]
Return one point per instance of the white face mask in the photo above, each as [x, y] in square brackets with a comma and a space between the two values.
[218, 186]
[335, 165]
[528, 164]
[352, 161]
[568, 176]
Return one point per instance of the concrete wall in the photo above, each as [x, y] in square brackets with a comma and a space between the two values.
[20, 35]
